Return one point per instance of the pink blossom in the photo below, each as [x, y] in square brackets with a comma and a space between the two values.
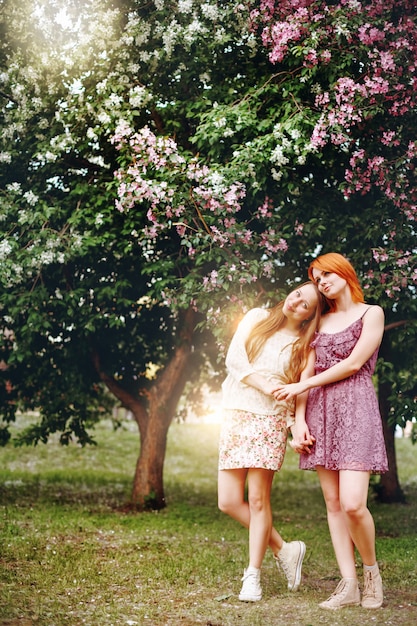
[370, 35]
[322, 99]
[404, 260]
[376, 85]
[247, 236]
[298, 228]
[311, 58]
[265, 209]
[272, 243]
[388, 138]
[326, 56]
[378, 256]
[387, 61]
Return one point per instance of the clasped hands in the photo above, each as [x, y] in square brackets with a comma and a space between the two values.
[302, 441]
[304, 446]
[287, 392]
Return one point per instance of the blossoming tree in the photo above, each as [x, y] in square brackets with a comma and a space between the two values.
[167, 165]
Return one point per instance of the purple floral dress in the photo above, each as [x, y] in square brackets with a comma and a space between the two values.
[344, 416]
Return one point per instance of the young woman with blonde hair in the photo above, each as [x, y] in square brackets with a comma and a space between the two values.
[270, 346]
[338, 429]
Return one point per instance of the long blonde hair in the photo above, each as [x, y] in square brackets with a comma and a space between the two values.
[274, 322]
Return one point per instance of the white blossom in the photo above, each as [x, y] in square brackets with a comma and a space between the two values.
[57, 339]
[216, 180]
[16, 187]
[195, 27]
[210, 11]
[113, 100]
[46, 257]
[76, 241]
[278, 156]
[170, 35]
[341, 28]
[138, 97]
[205, 78]
[221, 122]
[30, 198]
[276, 175]
[354, 4]
[185, 6]
[5, 249]
[50, 157]
[10, 130]
[91, 134]
[22, 217]
[220, 34]
[61, 142]
[133, 68]
[104, 118]
[101, 86]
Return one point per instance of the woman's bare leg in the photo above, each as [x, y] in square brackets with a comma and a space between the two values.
[359, 521]
[231, 500]
[341, 539]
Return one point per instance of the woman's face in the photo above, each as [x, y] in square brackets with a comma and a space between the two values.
[329, 284]
[300, 304]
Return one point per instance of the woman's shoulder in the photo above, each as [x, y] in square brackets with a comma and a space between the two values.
[373, 311]
[253, 317]
[256, 314]
[362, 313]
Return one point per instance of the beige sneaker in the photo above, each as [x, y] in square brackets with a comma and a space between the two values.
[373, 596]
[345, 594]
[251, 589]
[290, 560]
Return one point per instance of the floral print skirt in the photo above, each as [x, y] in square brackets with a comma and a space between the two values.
[249, 440]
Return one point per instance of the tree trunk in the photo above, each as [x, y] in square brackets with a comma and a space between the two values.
[153, 411]
[148, 485]
[389, 488]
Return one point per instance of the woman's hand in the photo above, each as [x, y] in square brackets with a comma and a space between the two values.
[260, 383]
[302, 441]
[286, 392]
[302, 447]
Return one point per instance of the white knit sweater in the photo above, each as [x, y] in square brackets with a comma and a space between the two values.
[271, 363]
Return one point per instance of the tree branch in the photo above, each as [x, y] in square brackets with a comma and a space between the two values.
[396, 325]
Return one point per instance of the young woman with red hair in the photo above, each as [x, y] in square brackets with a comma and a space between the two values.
[338, 428]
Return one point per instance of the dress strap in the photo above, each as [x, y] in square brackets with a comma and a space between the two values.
[362, 316]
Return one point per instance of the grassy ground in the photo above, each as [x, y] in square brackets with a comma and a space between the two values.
[69, 556]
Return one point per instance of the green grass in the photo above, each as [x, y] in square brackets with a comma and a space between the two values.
[70, 556]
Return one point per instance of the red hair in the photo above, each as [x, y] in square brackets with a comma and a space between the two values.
[337, 263]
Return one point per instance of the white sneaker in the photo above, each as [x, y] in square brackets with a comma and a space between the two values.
[290, 560]
[251, 589]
